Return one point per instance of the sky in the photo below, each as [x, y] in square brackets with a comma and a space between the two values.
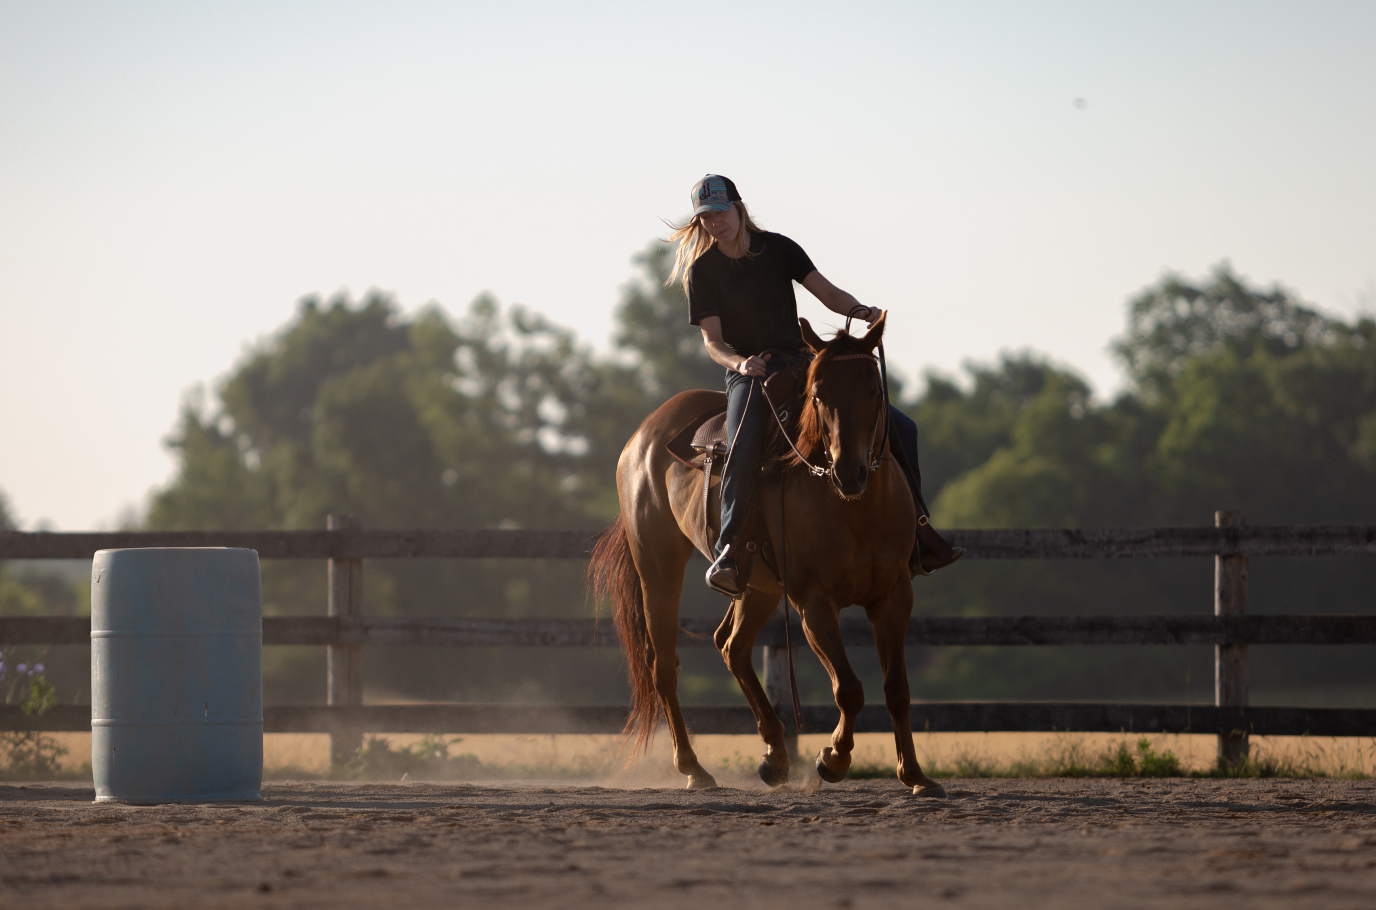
[174, 177]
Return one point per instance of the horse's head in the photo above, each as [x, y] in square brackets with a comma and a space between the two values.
[843, 420]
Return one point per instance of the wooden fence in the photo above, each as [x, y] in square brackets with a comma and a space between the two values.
[345, 630]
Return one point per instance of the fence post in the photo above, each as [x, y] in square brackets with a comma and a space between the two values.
[776, 686]
[1230, 661]
[345, 662]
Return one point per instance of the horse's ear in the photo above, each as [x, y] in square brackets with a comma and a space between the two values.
[876, 333]
[810, 337]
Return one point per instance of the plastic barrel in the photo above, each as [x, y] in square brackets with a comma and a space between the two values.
[176, 675]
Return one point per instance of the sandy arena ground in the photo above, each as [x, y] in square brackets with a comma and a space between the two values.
[994, 843]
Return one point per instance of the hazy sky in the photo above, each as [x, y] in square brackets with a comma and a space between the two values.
[174, 177]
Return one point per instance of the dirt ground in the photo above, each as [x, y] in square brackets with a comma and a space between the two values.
[994, 843]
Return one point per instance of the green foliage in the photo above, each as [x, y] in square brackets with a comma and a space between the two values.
[353, 408]
[29, 754]
[32, 756]
[39, 697]
[653, 324]
[1241, 399]
[1176, 323]
[1067, 757]
[428, 759]
[1144, 761]
[16, 599]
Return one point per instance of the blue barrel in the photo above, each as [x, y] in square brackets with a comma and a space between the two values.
[176, 675]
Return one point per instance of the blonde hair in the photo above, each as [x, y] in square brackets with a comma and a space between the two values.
[693, 240]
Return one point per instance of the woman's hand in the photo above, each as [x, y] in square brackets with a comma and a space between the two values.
[871, 315]
[753, 366]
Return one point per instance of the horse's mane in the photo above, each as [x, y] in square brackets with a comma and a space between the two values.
[809, 426]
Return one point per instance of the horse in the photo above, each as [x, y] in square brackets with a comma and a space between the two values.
[849, 534]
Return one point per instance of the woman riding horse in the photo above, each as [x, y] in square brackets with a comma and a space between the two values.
[739, 282]
[831, 551]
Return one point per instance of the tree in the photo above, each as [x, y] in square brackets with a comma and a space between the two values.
[654, 327]
[1240, 399]
[496, 419]
[1175, 323]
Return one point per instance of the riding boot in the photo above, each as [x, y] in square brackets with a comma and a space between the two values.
[723, 576]
[930, 550]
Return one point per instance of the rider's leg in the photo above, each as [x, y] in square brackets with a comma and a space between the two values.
[930, 551]
[903, 430]
[747, 427]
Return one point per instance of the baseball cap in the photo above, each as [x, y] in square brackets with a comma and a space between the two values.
[714, 193]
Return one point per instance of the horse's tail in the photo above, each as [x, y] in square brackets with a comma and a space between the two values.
[612, 576]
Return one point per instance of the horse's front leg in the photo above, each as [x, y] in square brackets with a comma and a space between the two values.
[890, 619]
[822, 625]
[750, 614]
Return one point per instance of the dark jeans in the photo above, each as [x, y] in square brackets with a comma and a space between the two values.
[747, 430]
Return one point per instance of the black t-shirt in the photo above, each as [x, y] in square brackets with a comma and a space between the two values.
[753, 295]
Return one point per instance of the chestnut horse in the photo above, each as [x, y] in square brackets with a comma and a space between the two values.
[849, 536]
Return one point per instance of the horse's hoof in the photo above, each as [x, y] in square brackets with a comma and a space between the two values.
[828, 775]
[934, 791]
[702, 782]
[772, 776]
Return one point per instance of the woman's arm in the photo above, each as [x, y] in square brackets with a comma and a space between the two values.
[837, 300]
[721, 352]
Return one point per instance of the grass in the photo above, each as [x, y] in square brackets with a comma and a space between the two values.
[432, 758]
[1125, 759]
[35, 756]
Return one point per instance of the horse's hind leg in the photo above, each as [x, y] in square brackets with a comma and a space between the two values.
[661, 577]
[890, 620]
[822, 625]
[749, 614]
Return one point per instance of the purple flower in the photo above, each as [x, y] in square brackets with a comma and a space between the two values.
[2, 666]
[38, 667]
[30, 672]
[22, 667]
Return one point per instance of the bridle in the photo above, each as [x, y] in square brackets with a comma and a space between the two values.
[876, 455]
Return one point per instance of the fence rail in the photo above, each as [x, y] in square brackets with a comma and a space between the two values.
[345, 630]
[695, 632]
[949, 717]
[1033, 543]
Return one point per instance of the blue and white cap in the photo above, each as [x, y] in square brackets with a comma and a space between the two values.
[714, 193]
